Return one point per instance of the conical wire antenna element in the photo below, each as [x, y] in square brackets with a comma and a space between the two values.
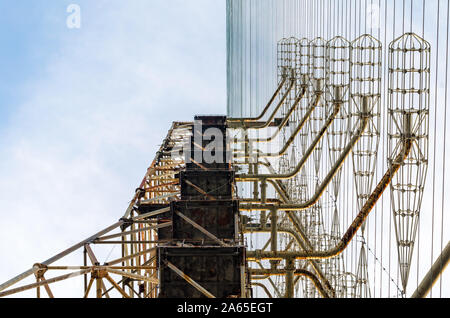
[408, 106]
[317, 78]
[365, 79]
[362, 275]
[337, 91]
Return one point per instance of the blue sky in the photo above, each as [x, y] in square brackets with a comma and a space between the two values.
[82, 111]
[28, 39]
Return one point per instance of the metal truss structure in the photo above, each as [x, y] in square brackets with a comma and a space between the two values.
[325, 110]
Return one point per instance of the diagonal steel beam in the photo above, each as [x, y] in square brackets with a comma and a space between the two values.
[60, 255]
[42, 283]
[201, 229]
[190, 280]
[435, 272]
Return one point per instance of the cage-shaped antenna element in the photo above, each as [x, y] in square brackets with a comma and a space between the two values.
[303, 66]
[317, 80]
[286, 59]
[286, 51]
[408, 107]
[302, 60]
[337, 91]
[365, 87]
[365, 84]
[317, 62]
[338, 52]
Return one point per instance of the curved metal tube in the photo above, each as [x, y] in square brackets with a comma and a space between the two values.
[291, 138]
[313, 200]
[304, 243]
[252, 119]
[271, 117]
[357, 222]
[297, 272]
[282, 124]
[302, 162]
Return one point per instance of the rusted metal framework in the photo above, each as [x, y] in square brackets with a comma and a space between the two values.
[303, 179]
[329, 89]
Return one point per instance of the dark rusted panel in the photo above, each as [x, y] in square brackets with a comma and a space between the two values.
[218, 184]
[217, 269]
[194, 165]
[214, 120]
[217, 217]
[146, 208]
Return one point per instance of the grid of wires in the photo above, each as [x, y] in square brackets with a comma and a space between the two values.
[381, 261]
